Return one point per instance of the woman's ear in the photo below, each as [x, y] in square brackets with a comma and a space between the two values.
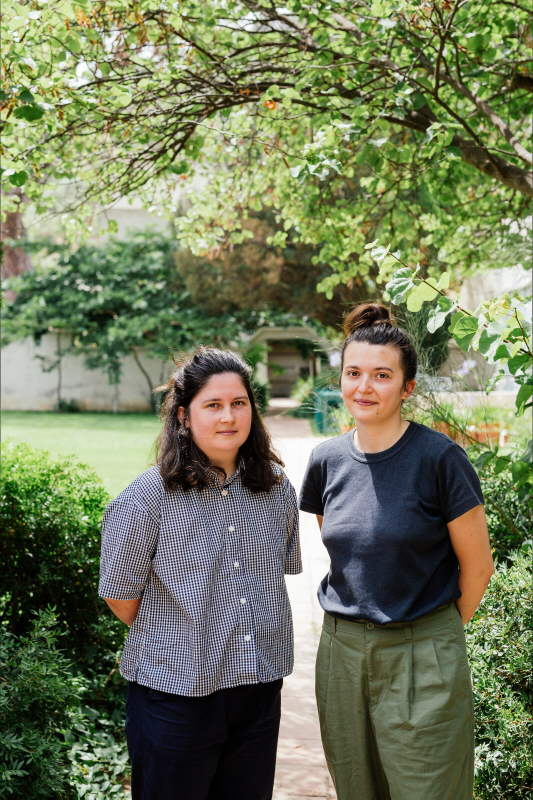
[182, 417]
[408, 389]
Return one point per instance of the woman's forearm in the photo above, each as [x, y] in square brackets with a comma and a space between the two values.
[125, 610]
[473, 586]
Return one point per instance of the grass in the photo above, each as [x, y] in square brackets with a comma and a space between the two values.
[117, 446]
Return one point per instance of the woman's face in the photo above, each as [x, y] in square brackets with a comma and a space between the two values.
[372, 382]
[220, 418]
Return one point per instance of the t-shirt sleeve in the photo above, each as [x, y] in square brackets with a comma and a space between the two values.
[293, 557]
[129, 539]
[311, 492]
[458, 485]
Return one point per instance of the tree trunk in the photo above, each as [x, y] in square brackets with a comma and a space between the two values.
[15, 259]
[147, 377]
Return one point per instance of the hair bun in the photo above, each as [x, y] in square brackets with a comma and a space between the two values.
[365, 316]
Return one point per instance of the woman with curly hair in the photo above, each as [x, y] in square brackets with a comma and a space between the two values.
[193, 559]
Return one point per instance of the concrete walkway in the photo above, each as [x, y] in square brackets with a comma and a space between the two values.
[301, 770]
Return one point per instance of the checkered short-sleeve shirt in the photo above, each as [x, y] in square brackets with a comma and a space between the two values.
[209, 566]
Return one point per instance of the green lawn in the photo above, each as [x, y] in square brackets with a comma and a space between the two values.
[117, 446]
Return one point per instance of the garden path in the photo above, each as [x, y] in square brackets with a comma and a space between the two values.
[301, 770]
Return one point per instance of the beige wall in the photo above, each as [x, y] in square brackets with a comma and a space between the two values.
[26, 387]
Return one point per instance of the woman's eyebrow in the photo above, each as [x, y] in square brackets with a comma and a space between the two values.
[353, 366]
[218, 399]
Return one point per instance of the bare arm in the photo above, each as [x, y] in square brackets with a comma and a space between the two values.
[470, 541]
[125, 610]
[320, 520]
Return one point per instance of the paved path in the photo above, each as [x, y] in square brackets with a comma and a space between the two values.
[301, 771]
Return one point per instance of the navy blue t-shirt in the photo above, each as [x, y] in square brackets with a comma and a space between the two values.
[385, 523]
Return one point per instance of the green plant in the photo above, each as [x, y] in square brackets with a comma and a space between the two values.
[39, 700]
[500, 330]
[255, 355]
[500, 644]
[51, 511]
[305, 391]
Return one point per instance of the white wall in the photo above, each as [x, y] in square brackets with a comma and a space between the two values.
[26, 387]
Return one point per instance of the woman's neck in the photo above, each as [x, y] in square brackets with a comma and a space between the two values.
[376, 438]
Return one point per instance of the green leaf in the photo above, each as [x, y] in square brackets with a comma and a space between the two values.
[29, 113]
[122, 100]
[444, 281]
[500, 464]
[445, 303]
[519, 470]
[524, 393]
[420, 295]
[484, 459]
[454, 319]
[464, 331]
[399, 285]
[26, 97]
[18, 178]
[371, 245]
[488, 343]
[436, 319]
[418, 100]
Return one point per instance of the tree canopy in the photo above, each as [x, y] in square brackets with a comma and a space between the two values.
[349, 120]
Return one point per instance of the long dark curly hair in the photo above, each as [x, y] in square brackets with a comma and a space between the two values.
[182, 464]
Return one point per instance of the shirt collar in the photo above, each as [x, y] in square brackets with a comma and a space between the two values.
[214, 476]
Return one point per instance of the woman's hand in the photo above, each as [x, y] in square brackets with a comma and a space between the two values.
[125, 610]
[470, 541]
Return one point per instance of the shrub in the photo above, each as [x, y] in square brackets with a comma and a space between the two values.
[38, 699]
[50, 512]
[500, 642]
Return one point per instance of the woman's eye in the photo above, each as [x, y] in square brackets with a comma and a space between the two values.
[382, 375]
[239, 402]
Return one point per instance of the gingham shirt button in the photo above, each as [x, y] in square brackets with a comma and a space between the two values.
[231, 528]
[224, 493]
[247, 638]
[236, 564]
[243, 600]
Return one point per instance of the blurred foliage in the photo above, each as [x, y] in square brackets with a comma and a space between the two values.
[500, 645]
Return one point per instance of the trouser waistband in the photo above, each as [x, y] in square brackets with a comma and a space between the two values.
[334, 624]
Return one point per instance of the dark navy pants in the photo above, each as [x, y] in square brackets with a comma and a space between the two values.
[218, 747]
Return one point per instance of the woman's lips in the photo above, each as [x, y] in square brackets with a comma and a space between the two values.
[227, 433]
[366, 402]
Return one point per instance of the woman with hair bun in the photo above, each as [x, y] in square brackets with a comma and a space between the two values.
[194, 554]
[401, 514]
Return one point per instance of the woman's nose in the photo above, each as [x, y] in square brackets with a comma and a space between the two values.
[227, 413]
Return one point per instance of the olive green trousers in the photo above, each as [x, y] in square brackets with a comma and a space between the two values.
[395, 708]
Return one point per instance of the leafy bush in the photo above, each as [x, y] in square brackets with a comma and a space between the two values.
[50, 512]
[38, 700]
[500, 642]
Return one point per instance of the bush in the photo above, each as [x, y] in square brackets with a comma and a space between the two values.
[51, 511]
[500, 642]
[38, 699]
